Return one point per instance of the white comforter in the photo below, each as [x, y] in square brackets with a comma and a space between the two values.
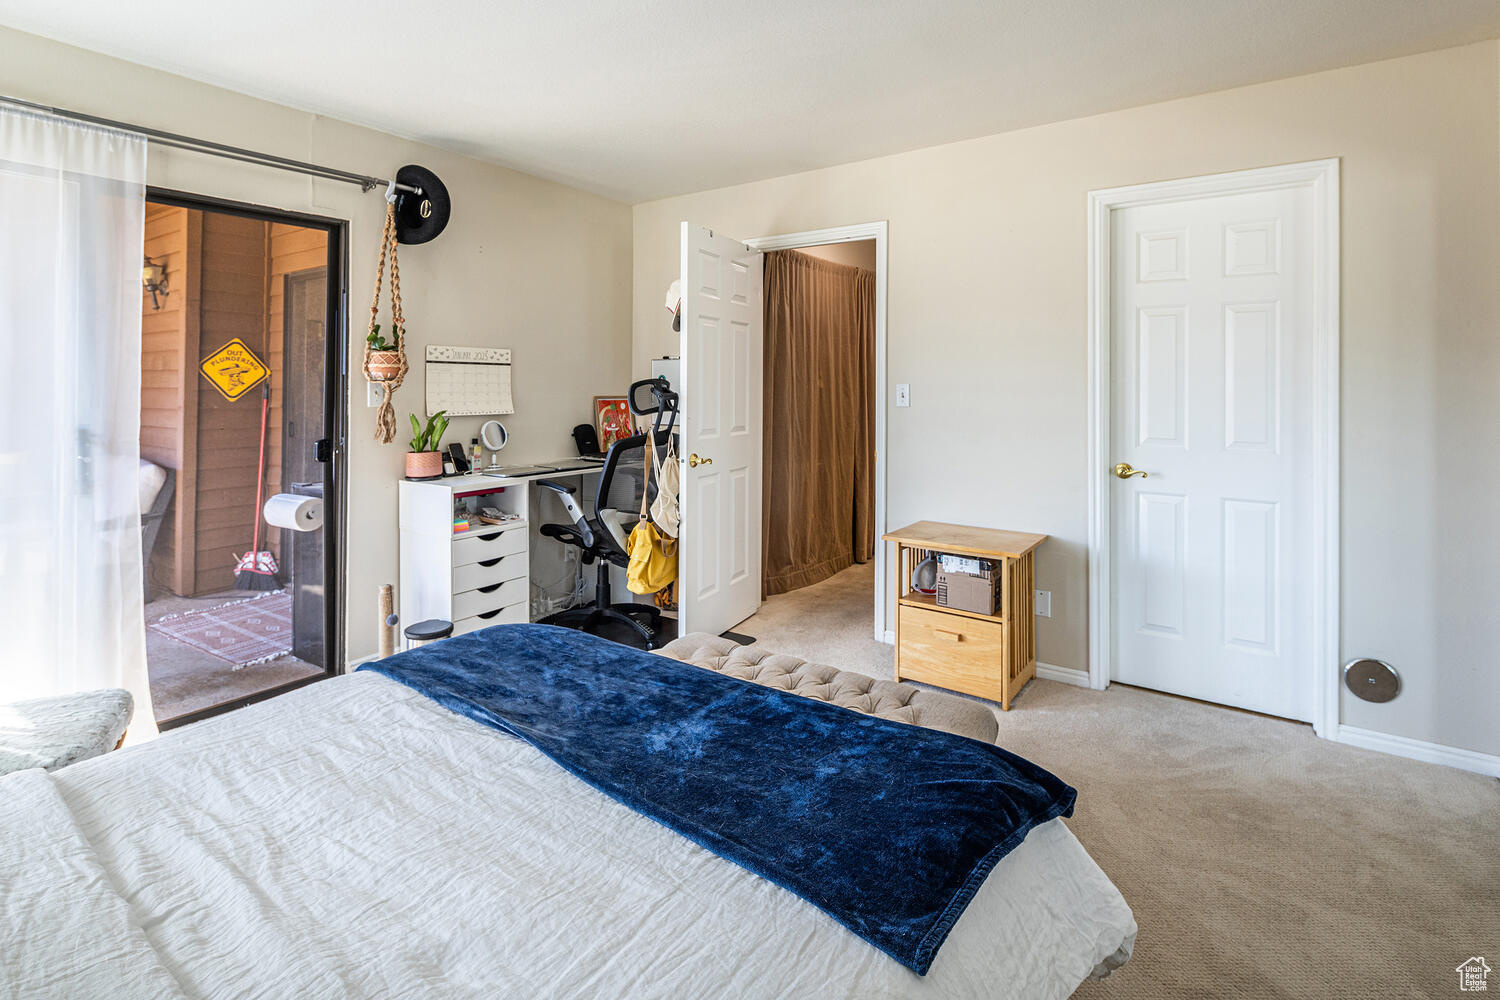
[353, 839]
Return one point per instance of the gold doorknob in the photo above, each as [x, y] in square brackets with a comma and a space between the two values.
[694, 461]
[1125, 471]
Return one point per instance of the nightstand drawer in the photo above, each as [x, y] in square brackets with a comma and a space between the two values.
[487, 543]
[952, 651]
[491, 598]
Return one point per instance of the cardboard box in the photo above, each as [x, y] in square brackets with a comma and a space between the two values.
[976, 592]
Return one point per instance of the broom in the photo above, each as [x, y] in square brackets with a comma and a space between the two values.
[256, 570]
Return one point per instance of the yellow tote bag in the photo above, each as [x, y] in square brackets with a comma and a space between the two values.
[653, 555]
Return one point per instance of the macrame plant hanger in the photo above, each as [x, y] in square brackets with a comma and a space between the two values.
[387, 368]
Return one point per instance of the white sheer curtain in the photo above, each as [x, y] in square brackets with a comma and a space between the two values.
[72, 225]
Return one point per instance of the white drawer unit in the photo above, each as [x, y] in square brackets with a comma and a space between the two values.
[472, 576]
[483, 544]
[485, 600]
[513, 615]
[476, 577]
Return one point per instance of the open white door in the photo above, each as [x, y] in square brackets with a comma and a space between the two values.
[719, 541]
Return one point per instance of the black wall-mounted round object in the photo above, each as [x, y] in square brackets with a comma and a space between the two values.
[421, 217]
[1372, 680]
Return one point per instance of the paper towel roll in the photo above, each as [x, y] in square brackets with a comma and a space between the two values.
[288, 510]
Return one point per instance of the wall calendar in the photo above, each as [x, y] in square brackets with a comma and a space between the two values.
[468, 381]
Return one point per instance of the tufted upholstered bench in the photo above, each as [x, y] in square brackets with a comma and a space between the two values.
[886, 699]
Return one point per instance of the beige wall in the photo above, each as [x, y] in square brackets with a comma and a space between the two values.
[526, 264]
[987, 318]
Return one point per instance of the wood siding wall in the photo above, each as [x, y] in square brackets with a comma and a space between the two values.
[234, 302]
[164, 370]
[226, 278]
[292, 249]
[162, 363]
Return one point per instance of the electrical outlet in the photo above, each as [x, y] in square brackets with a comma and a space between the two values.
[1043, 603]
[374, 393]
[903, 394]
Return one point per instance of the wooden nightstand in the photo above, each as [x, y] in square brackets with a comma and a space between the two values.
[990, 656]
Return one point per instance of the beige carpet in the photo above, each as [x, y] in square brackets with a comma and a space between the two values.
[1260, 860]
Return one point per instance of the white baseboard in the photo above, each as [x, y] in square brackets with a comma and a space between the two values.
[354, 665]
[1067, 675]
[1432, 753]
[890, 637]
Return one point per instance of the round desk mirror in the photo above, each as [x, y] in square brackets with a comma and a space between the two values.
[492, 435]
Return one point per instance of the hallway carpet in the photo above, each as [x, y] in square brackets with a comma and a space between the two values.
[1260, 860]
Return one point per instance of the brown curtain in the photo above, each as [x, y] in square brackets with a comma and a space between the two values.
[819, 511]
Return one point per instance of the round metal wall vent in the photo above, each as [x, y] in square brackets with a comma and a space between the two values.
[1372, 680]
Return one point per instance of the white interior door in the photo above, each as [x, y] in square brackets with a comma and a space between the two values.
[1211, 397]
[719, 548]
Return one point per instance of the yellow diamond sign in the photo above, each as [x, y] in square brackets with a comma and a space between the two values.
[234, 369]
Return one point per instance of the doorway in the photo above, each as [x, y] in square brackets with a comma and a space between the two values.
[241, 400]
[1213, 447]
[862, 245]
[722, 371]
[819, 420]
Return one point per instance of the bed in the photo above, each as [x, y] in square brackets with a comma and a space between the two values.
[356, 839]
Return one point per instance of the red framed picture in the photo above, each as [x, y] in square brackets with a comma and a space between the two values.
[612, 420]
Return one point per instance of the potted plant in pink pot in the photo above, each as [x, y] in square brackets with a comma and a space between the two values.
[385, 361]
[424, 460]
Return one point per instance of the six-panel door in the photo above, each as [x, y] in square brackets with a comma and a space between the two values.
[719, 555]
[1210, 395]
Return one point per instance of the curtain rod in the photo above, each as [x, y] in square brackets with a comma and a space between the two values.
[228, 152]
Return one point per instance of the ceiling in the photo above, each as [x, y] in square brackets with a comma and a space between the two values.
[637, 100]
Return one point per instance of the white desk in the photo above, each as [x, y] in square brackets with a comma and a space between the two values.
[482, 576]
[549, 470]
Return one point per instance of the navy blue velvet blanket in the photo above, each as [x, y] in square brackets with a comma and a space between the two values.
[886, 827]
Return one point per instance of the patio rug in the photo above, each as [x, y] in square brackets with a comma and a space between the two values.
[239, 632]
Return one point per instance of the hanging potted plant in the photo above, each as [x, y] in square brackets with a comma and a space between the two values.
[384, 361]
[384, 358]
[423, 459]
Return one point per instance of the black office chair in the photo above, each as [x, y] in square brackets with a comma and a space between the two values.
[602, 539]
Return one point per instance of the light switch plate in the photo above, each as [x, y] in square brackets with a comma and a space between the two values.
[374, 393]
[903, 394]
[1043, 603]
